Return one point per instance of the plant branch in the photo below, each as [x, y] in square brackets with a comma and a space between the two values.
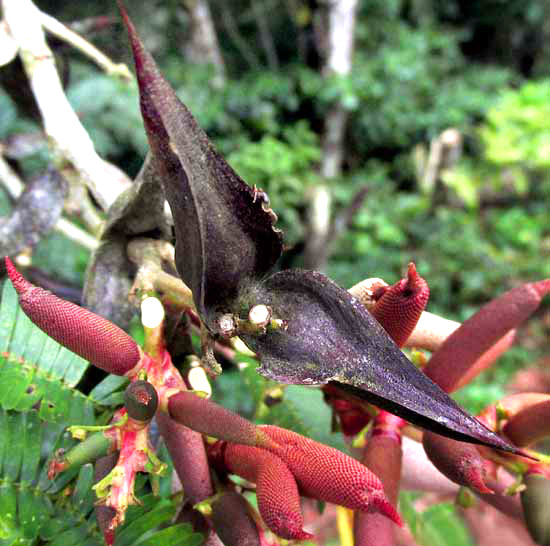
[9, 179]
[203, 43]
[78, 42]
[148, 255]
[341, 27]
[239, 41]
[69, 141]
[14, 186]
[265, 35]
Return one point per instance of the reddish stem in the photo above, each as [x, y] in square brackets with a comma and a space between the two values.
[383, 456]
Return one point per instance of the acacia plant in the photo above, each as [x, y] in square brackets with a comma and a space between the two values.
[302, 329]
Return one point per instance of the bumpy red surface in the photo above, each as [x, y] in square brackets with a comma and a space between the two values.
[277, 492]
[83, 332]
[327, 474]
[207, 417]
[401, 305]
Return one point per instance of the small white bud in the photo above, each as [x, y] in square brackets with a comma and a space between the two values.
[198, 380]
[226, 325]
[152, 312]
[259, 315]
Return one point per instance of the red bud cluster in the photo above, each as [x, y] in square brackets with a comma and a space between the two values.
[327, 474]
[295, 465]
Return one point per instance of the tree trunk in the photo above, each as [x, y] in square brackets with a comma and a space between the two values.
[341, 25]
[203, 45]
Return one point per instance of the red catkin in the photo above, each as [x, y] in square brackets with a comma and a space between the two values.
[327, 474]
[186, 448]
[462, 349]
[460, 462]
[400, 306]
[88, 335]
[529, 425]
[276, 488]
[207, 417]
[510, 406]
[487, 359]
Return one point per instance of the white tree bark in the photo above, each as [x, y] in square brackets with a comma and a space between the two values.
[341, 27]
[339, 53]
[14, 186]
[68, 139]
[203, 46]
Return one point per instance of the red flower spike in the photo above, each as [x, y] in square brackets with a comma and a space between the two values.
[382, 456]
[508, 407]
[480, 332]
[327, 474]
[83, 332]
[459, 461]
[487, 359]
[207, 417]
[529, 425]
[276, 488]
[399, 307]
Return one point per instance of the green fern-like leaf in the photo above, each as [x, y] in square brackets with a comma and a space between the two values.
[35, 371]
[38, 401]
